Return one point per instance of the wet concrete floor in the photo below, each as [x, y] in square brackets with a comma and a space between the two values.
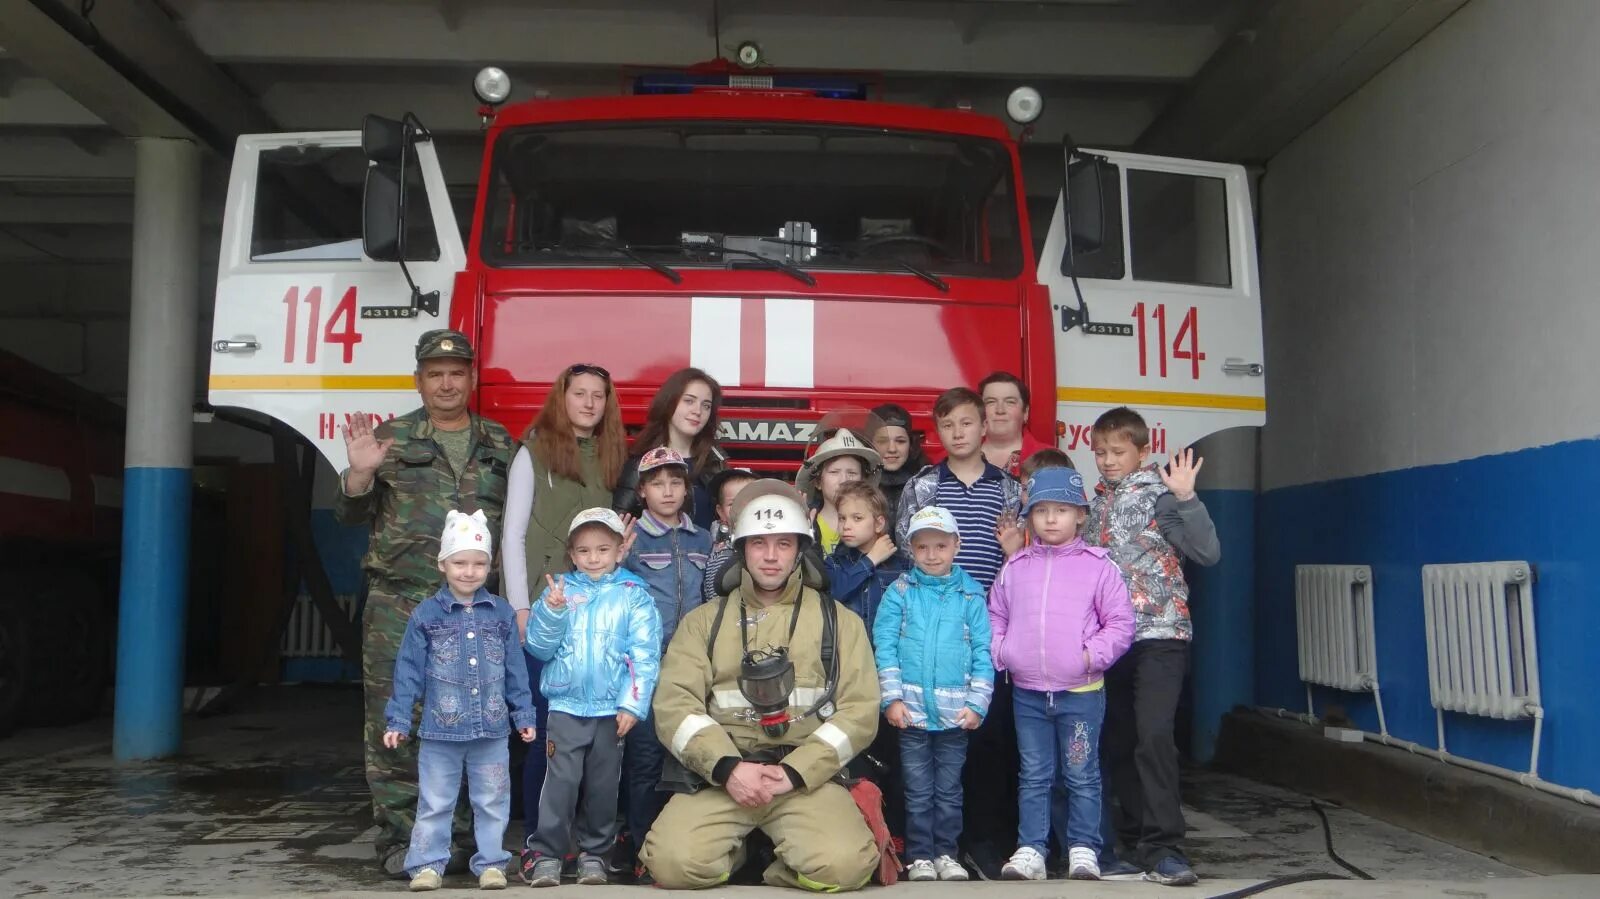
[271, 800]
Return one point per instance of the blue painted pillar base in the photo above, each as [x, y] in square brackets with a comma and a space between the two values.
[1222, 603]
[152, 613]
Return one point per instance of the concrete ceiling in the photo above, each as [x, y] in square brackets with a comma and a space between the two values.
[1195, 77]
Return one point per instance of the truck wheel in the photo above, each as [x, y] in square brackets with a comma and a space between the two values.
[13, 666]
[72, 677]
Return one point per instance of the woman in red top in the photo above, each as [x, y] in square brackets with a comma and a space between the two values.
[1006, 441]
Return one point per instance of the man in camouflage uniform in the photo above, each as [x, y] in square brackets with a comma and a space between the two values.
[404, 475]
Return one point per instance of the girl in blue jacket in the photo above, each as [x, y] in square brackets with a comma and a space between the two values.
[599, 634]
[931, 639]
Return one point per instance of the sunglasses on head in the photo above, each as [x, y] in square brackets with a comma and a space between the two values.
[584, 368]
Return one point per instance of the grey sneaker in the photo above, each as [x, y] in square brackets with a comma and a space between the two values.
[546, 872]
[492, 879]
[592, 871]
[427, 879]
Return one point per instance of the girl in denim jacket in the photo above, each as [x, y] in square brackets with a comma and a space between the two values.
[453, 655]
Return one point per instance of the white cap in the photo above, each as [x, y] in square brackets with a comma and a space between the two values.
[464, 532]
[769, 506]
[597, 515]
[932, 518]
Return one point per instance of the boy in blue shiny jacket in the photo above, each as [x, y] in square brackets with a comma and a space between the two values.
[453, 656]
[599, 634]
[937, 677]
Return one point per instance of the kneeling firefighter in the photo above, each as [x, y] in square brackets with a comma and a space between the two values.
[764, 696]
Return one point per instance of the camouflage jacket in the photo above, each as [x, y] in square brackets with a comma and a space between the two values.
[414, 488]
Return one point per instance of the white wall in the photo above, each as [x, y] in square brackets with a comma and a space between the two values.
[1431, 253]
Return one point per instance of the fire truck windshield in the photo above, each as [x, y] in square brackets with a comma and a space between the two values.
[704, 193]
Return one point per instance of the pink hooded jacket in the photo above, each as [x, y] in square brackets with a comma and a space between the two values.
[1048, 606]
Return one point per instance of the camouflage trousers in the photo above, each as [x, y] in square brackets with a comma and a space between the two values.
[392, 773]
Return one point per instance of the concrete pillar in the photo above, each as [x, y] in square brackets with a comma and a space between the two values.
[156, 485]
[1224, 596]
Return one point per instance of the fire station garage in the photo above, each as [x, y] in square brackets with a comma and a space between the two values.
[1343, 249]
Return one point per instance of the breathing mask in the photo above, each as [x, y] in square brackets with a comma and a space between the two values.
[766, 678]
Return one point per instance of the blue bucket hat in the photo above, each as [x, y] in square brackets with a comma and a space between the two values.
[1056, 485]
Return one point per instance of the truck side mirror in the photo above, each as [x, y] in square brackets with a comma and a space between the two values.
[1085, 202]
[380, 213]
[383, 140]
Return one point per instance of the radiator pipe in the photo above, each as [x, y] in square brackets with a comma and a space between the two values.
[1532, 781]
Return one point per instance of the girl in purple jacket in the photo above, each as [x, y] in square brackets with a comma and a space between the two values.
[1060, 615]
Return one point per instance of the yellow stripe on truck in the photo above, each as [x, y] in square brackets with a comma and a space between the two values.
[312, 382]
[1106, 397]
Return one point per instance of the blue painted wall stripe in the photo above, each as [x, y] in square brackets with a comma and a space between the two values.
[1536, 504]
[1222, 603]
[151, 616]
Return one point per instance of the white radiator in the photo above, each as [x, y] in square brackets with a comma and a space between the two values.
[1335, 632]
[307, 637]
[1482, 656]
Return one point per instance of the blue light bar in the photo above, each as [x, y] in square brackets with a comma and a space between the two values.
[692, 82]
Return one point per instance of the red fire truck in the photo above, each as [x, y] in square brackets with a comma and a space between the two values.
[60, 512]
[810, 248]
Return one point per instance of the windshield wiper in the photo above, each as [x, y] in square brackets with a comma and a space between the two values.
[938, 282]
[619, 249]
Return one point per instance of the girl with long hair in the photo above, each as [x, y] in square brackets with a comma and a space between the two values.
[683, 417]
[570, 459]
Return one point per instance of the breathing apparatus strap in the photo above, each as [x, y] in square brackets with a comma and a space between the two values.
[828, 648]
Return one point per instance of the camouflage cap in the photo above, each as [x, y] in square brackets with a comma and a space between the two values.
[443, 343]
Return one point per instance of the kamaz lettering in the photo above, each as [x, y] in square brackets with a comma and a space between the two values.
[748, 431]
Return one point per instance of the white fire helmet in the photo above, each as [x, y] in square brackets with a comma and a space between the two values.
[770, 506]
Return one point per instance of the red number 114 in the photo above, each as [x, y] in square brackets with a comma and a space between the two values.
[1188, 333]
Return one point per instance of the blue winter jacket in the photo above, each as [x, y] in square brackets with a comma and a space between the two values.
[931, 641]
[602, 650]
[672, 561]
[453, 656]
[860, 585]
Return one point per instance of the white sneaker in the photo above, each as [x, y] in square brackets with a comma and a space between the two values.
[426, 880]
[921, 870]
[949, 868]
[1082, 864]
[1025, 864]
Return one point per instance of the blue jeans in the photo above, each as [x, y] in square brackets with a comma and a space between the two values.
[1108, 829]
[534, 764]
[1059, 734]
[439, 764]
[641, 773]
[930, 768]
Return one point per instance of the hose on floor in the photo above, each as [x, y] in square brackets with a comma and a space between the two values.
[1274, 883]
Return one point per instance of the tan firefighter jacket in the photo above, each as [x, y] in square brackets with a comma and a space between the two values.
[703, 718]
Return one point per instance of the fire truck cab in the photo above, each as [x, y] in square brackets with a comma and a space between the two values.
[811, 249]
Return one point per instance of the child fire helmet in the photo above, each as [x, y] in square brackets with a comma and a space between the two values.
[932, 518]
[770, 506]
[598, 515]
[661, 457]
[842, 443]
[463, 532]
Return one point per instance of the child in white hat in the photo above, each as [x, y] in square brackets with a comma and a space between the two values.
[453, 657]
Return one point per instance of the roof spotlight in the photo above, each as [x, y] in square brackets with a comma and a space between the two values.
[1024, 105]
[492, 85]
